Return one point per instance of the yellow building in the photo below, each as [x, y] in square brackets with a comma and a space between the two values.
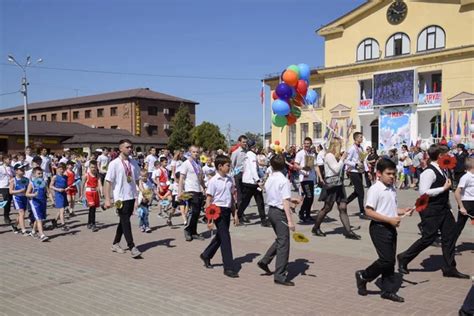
[387, 59]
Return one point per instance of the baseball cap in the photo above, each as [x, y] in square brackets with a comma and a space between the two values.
[19, 166]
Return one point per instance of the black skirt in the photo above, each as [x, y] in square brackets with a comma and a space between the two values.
[336, 194]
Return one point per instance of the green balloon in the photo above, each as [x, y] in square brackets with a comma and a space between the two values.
[279, 121]
[295, 69]
[295, 111]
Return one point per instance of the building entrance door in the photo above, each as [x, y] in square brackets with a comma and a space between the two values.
[374, 128]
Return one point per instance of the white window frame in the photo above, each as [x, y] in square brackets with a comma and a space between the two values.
[430, 38]
[368, 49]
[390, 45]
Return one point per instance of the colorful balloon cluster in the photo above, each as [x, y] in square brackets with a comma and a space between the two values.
[292, 94]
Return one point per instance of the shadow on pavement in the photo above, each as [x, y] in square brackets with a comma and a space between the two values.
[248, 258]
[465, 246]
[164, 242]
[298, 267]
[71, 232]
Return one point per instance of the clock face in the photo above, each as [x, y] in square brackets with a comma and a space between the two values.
[397, 12]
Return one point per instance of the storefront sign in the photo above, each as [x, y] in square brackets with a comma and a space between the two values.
[429, 98]
[365, 105]
[394, 129]
[138, 120]
[39, 141]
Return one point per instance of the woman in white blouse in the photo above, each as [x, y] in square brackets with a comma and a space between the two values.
[334, 166]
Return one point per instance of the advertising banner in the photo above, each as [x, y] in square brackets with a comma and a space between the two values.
[394, 127]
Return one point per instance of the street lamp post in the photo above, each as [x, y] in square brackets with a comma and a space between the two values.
[24, 91]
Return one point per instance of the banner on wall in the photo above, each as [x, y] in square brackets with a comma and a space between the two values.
[394, 127]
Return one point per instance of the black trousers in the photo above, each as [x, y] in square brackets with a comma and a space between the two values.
[102, 177]
[222, 240]
[124, 227]
[462, 219]
[5, 192]
[91, 217]
[195, 205]
[468, 305]
[281, 246]
[308, 193]
[249, 191]
[384, 238]
[429, 231]
[356, 179]
[238, 188]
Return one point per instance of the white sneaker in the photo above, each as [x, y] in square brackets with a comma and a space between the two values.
[116, 248]
[135, 252]
[43, 238]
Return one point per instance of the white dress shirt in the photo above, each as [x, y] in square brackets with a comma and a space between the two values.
[467, 186]
[353, 158]
[192, 180]
[250, 175]
[331, 166]
[221, 189]
[278, 188]
[383, 199]
[427, 178]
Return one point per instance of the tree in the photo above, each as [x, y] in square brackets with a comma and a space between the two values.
[255, 137]
[180, 136]
[208, 136]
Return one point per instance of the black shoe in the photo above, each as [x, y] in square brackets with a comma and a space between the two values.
[455, 274]
[318, 232]
[94, 228]
[54, 224]
[207, 262]
[231, 273]
[392, 296]
[286, 283]
[361, 283]
[463, 313]
[363, 216]
[198, 237]
[244, 219]
[352, 235]
[402, 266]
[65, 228]
[265, 223]
[187, 236]
[302, 220]
[264, 267]
[309, 219]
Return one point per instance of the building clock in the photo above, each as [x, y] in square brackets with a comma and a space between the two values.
[397, 12]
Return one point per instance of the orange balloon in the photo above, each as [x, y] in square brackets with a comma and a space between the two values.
[290, 77]
[274, 95]
[291, 119]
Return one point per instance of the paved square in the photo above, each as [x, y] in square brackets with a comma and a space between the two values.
[75, 273]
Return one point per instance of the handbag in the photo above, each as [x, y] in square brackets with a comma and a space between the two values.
[334, 181]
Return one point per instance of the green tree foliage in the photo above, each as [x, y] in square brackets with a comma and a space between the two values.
[180, 136]
[208, 136]
[255, 137]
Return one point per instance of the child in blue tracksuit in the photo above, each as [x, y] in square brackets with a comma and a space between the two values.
[38, 193]
[17, 189]
[59, 186]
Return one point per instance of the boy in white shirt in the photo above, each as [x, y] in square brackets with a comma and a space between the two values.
[381, 207]
[220, 192]
[465, 197]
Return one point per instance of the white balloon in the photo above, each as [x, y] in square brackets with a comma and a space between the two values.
[471, 128]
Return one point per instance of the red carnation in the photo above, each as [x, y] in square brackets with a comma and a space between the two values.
[213, 212]
[447, 162]
[422, 203]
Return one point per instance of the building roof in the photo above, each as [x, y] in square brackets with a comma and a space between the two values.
[141, 93]
[74, 132]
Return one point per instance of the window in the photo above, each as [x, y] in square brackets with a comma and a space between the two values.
[113, 111]
[64, 116]
[152, 130]
[114, 127]
[397, 44]
[87, 114]
[100, 112]
[304, 131]
[292, 134]
[435, 126]
[432, 37]
[365, 89]
[75, 115]
[317, 130]
[368, 49]
[33, 117]
[54, 117]
[43, 117]
[152, 110]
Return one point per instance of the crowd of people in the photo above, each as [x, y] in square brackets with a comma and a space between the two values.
[187, 182]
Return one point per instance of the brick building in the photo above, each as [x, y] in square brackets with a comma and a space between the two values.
[142, 112]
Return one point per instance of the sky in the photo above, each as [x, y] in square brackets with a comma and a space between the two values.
[211, 51]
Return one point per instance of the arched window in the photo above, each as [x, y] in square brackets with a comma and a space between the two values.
[432, 37]
[397, 44]
[368, 49]
[435, 126]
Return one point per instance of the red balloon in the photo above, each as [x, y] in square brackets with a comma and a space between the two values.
[274, 95]
[299, 101]
[302, 87]
[277, 142]
[291, 120]
[290, 77]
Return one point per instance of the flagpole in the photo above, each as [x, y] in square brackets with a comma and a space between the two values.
[263, 118]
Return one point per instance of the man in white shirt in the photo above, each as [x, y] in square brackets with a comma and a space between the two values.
[46, 164]
[191, 181]
[355, 166]
[28, 156]
[251, 186]
[437, 216]
[122, 177]
[150, 162]
[6, 174]
[238, 158]
[66, 156]
[305, 163]
[102, 163]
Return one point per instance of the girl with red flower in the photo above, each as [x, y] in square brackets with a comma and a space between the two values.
[219, 207]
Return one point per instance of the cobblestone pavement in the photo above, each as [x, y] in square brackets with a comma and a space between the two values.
[75, 273]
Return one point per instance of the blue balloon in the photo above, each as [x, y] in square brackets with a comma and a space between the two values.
[450, 144]
[311, 96]
[283, 91]
[280, 107]
[305, 72]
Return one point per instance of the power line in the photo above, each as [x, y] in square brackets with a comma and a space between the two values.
[140, 74]
[8, 93]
